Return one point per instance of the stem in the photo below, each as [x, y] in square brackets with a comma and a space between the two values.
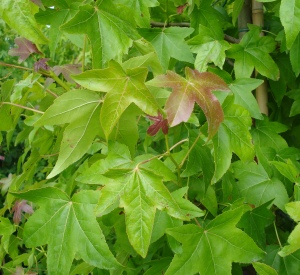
[190, 149]
[58, 80]
[197, 222]
[47, 90]
[168, 153]
[277, 236]
[23, 107]
[83, 54]
[15, 66]
[178, 143]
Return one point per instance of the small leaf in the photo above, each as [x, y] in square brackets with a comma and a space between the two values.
[41, 65]
[24, 50]
[197, 87]
[159, 123]
[19, 207]
[263, 269]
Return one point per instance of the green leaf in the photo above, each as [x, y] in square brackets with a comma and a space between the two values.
[108, 28]
[237, 7]
[122, 88]
[290, 19]
[288, 169]
[256, 187]
[55, 17]
[295, 109]
[254, 222]
[69, 107]
[292, 209]
[263, 269]
[266, 134]
[232, 136]
[6, 230]
[253, 52]
[295, 55]
[197, 87]
[242, 89]
[18, 15]
[169, 42]
[69, 227]
[77, 139]
[212, 249]
[140, 9]
[210, 47]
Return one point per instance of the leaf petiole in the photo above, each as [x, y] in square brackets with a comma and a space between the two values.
[23, 107]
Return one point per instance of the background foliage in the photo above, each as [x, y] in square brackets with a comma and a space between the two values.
[132, 142]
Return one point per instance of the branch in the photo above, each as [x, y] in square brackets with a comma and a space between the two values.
[187, 25]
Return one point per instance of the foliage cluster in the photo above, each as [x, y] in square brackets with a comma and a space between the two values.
[120, 171]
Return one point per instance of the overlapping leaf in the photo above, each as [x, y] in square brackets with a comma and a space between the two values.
[24, 50]
[138, 186]
[290, 19]
[108, 28]
[123, 88]
[197, 87]
[169, 42]
[69, 227]
[140, 9]
[80, 109]
[253, 52]
[233, 136]
[210, 47]
[211, 249]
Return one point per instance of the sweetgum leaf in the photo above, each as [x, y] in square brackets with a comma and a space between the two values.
[169, 42]
[253, 52]
[263, 269]
[197, 87]
[123, 88]
[212, 249]
[69, 227]
[18, 15]
[108, 28]
[24, 50]
[141, 10]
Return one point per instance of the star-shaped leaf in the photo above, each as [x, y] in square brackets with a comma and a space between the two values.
[141, 10]
[211, 249]
[69, 227]
[107, 27]
[159, 123]
[24, 50]
[210, 47]
[253, 52]
[137, 186]
[123, 88]
[197, 87]
[169, 42]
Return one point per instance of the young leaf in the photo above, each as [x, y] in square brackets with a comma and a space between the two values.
[18, 15]
[210, 47]
[212, 249]
[107, 27]
[159, 123]
[25, 48]
[253, 52]
[263, 269]
[169, 42]
[69, 227]
[291, 23]
[197, 87]
[122, 88]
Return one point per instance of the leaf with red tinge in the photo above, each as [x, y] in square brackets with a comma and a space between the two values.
[41, 65]
[180, 9]
[19, 207]
[66, 70]
[197, 87]
[24, 50]
[38, 3]
[159, 123]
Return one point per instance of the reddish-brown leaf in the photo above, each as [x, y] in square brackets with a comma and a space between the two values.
[197, 87]
[19, 207]
[181, 8]
[66, 70]
[159, 123]
[25, 48]
[41, 65]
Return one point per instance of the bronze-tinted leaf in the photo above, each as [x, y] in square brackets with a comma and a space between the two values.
[24, 50]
